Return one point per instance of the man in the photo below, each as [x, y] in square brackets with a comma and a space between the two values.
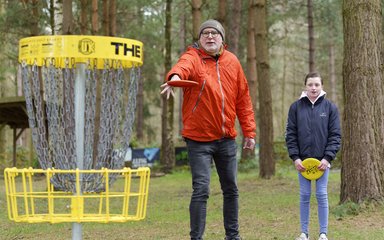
[209, 114]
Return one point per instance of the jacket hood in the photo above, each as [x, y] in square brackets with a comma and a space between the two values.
[304, 94]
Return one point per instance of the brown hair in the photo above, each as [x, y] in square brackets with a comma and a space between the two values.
[312, 75]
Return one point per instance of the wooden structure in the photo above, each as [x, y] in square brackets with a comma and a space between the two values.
[13, 112]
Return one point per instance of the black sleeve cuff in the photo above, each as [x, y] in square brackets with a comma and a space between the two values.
[328, 158]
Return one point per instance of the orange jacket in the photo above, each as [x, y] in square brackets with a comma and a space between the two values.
[210, 109]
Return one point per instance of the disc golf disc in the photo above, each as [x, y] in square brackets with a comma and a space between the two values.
[182, 83]
[311, 172]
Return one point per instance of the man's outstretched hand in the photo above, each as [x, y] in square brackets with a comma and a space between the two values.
[168, 89]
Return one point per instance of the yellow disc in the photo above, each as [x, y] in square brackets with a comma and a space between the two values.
[61, 49]
[311, 172]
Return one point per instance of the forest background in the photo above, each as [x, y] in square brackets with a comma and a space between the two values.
[278, 42]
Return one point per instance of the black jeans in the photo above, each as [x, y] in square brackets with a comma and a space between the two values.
[200, 155]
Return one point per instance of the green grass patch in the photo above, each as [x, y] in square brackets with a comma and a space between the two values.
[269, 209]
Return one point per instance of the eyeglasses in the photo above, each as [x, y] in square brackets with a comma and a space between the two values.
[213, 34]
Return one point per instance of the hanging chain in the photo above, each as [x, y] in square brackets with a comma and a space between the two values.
[50, 100]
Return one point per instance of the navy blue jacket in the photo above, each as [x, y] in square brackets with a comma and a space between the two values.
[313, 130]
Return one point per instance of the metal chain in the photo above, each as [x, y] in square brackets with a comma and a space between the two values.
[49, 94]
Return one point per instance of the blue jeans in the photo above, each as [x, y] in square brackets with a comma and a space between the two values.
[200, 155]
[322, 202]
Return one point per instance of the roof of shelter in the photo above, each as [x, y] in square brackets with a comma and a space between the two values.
[13, 112]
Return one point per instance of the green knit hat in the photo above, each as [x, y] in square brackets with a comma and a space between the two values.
[211, 23]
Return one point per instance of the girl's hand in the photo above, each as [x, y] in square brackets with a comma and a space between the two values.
[299, 166]
[324, 164]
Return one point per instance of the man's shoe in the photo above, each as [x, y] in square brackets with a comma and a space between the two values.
[323, 237]
[303, 236]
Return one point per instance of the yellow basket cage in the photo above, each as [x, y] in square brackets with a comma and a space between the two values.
[32, 198]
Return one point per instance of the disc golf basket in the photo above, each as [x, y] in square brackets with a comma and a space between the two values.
[81, 112]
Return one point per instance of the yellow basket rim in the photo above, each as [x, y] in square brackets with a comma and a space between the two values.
[65, 50]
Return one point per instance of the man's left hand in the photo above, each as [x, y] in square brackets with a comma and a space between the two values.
[249, 143]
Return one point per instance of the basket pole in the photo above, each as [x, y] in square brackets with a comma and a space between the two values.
[79, 133]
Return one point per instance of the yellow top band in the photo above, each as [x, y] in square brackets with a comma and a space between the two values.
[80, 49]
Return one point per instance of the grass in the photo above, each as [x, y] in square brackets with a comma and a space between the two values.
[268, 210]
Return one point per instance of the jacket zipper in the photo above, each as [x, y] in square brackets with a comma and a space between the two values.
[312, 126]
[222, 98]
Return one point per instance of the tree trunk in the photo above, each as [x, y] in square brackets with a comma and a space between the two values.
[83, 16]
[267, 163]
[3, 138]
[67, 18]
[35, 18]
[332, 74]
[362, 172]
[112, 17]
[35, 31]
[95, 31]
[283, 109]
[167, 146]
[251, 67]
[222, 12]
[140, 111]
[52, 16]
[234, 25]
[311, 37]
[196, 18]
[332, 61]
[140, 94]
[105, 18]
[95, 18]
[183, 45]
